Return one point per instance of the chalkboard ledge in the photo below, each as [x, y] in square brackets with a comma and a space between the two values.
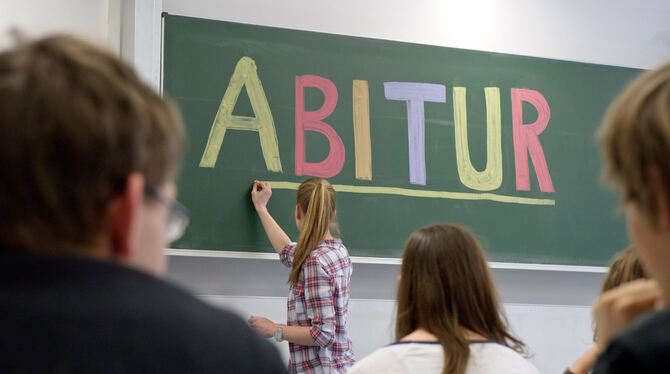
[384, 260]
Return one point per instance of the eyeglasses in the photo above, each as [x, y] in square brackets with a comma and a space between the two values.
[178, 215]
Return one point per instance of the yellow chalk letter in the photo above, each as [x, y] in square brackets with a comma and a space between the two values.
[245, 75]
[362, 130]
[491, 177]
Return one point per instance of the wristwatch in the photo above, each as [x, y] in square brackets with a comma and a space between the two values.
[278, 334]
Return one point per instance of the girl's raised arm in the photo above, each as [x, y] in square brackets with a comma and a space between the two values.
[260, 195]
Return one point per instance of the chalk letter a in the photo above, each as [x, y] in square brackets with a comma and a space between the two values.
[245, 75]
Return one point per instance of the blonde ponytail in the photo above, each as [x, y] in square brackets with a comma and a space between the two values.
[316, 198]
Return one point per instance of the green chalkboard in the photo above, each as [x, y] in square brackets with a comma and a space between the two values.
[562, 216]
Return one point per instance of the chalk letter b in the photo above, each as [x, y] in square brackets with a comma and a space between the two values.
[312, 121]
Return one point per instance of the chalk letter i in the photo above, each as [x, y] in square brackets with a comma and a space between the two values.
[362, 141]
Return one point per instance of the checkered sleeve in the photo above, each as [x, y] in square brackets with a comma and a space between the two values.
[319, 303]
[286, 254]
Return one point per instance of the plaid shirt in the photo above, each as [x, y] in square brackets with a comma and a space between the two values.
[320, 300]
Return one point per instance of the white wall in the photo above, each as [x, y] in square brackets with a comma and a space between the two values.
[549, 310]
[371, 323]
[614, 32]
[95, 20]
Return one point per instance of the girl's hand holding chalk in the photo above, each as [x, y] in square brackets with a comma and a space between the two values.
[260, 194]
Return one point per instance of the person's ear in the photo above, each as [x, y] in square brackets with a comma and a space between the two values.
[123, 215]
[298, 212]
[334, 215]
[663, 211]
[662, 201]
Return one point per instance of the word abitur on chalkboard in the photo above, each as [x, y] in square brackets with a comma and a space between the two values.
[408, 135]
[526, 139]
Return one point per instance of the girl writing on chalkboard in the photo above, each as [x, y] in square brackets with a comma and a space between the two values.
[449, 319]
[320, 272]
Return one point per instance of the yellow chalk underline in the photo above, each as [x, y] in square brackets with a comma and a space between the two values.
[424, 193]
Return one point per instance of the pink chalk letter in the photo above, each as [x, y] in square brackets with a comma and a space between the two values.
[312, 121]
[526, 138]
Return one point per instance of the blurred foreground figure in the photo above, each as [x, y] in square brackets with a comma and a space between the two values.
[88, 158]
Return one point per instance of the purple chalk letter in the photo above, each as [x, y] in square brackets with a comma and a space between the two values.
[416, 94]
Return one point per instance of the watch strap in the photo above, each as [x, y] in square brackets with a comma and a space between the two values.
[278, 334]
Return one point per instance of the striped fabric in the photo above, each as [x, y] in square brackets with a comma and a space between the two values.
[320, 300]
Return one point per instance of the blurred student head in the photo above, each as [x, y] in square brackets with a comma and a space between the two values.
[635, 140]
[88, 156]
[625, 267]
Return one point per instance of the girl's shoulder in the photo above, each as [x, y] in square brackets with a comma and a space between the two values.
[329, 248]
[331, 253]
[382, 360]
[489, 357]
[403, 357]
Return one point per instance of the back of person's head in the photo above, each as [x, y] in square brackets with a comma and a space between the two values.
[446, 286]
[635, 139]
[75, 121]
[316, 199]
[625, 267]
